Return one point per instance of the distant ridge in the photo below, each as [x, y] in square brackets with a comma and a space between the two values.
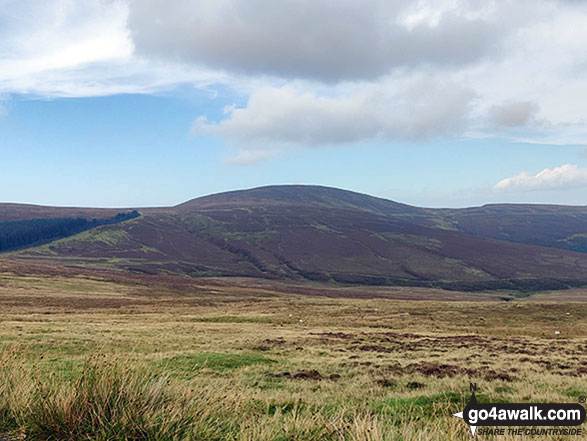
[326, 234]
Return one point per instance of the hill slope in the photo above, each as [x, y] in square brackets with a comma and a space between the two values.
[546, 225]
[320, 233]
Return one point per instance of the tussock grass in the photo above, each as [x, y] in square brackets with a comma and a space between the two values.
[107, 401]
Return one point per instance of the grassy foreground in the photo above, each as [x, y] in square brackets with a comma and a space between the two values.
[97, 357]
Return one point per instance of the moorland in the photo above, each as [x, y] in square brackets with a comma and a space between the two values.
[88, 354]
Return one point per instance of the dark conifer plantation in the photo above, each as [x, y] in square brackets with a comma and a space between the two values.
[24, 233]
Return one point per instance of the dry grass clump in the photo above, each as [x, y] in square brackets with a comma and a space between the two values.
[107, 401]
[16, 389]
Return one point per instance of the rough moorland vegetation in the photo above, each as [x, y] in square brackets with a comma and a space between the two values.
[104, 356]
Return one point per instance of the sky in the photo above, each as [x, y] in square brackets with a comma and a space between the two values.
[444, 103]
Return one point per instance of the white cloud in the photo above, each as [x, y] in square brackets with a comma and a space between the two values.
[406, 109]
[82, 48]
[543, 63]
[565, 176]
[46, 41]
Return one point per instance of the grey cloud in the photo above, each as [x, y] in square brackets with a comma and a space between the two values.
[514, 114]
[313, 39]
